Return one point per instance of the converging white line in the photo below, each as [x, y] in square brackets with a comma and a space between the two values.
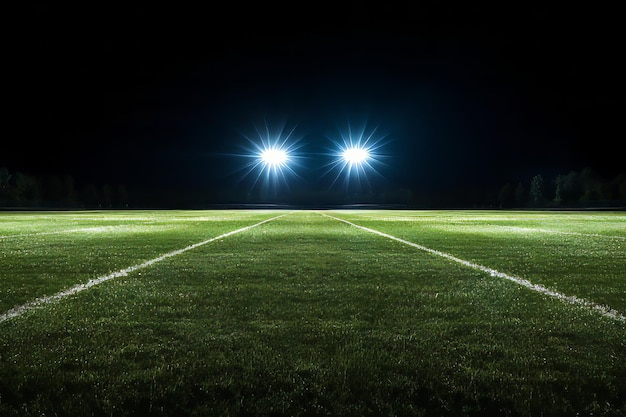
[602, 309]
[19, 310]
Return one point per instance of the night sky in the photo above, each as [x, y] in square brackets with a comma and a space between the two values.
[164, 95]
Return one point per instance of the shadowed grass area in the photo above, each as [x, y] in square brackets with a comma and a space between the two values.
[305, 316]
[52, 252]
[580, 253]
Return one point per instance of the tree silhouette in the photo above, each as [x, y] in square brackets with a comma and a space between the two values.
[505, 197]
[537, 189]
[5, 178]
[520, 195]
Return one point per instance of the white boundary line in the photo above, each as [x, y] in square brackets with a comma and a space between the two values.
[21, 309]
[603, 310]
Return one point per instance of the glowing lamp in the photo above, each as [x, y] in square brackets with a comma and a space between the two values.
[355, 155]
[274, 157]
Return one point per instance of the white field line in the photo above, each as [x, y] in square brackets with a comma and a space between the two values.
[602, 309]
[19, 310]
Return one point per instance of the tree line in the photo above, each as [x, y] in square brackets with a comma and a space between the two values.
[575, 189]
[18, 189]
[584, 188]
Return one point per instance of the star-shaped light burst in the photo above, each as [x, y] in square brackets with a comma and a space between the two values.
[274, 158]
[271, 155]
[355, 154]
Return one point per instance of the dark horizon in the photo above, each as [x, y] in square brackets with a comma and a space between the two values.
[461, 97]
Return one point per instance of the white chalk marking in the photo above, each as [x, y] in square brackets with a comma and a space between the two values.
[19, 310]
[602, 309]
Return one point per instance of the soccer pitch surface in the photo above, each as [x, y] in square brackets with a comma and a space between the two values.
[329, 312]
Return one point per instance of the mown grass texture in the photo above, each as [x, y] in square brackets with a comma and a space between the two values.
[306, 315]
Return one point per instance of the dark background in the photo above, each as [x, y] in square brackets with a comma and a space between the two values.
[159, 97]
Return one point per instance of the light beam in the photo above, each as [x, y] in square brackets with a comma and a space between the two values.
[271, 155]
[274, 157]
[355, 154]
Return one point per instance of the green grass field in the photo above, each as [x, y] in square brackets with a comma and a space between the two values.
[311, 313]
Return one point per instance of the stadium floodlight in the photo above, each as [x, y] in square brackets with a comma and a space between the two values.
[355, 155]
[274, 157]
[271, 154]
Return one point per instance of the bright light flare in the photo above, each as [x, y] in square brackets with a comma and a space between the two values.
[355, 155]
[271, 155]
[274, 157]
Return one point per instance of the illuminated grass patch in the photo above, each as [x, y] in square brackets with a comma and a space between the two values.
[306, 315]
